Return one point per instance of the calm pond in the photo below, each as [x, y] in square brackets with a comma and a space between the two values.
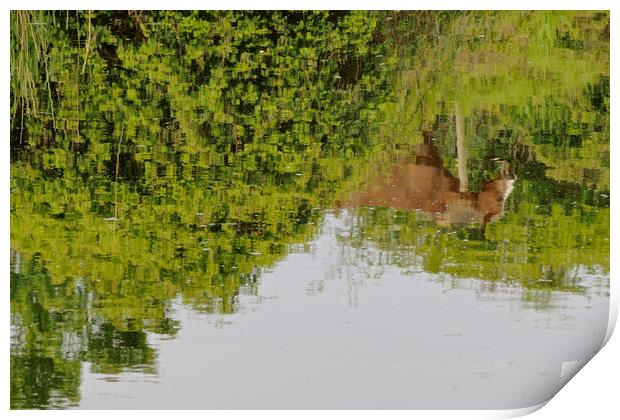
[306, 209]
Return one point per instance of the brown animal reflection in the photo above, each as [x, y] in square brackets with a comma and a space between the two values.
[423, 184]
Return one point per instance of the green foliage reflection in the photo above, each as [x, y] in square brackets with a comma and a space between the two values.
[162, 156]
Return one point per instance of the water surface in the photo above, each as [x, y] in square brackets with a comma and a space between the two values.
[306, 210]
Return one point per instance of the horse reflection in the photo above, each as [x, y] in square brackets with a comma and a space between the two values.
[423, 184]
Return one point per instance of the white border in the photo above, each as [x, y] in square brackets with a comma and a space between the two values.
[593, 393]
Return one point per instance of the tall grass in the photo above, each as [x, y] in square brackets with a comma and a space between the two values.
[29, 63]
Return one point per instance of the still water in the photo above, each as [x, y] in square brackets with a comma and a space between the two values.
[333, 327]
[306, 210]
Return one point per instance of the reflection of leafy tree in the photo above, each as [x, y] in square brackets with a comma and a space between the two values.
[185, 152]
[177, 154]
[111, 350]
[536, 245]
[518, 80]
[47, 318]
[534, 87]
[43, 382]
